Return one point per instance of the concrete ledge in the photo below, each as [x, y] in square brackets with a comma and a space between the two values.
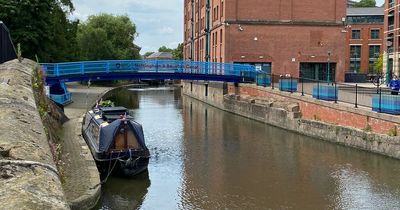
[87, 201]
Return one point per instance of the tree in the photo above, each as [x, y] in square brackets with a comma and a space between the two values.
[378, 64]
[147, 54]
[106, 36]
[178, 52]
[41, 27]
[365, 3]
[165, 49]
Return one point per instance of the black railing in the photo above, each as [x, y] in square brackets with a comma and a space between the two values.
[379, 98]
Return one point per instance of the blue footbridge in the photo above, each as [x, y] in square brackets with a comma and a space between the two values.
[57, 74]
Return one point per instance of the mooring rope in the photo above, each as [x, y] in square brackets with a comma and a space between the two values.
[27, 163]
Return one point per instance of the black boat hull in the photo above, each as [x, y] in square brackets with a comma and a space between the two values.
[120, 167]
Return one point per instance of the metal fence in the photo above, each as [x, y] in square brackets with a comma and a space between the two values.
[379, 98]
[146, 66]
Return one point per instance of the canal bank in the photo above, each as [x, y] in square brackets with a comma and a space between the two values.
[81, 178]
[337, 123]
[29, 176]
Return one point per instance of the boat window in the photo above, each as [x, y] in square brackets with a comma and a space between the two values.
[93, 130]
[87, 119]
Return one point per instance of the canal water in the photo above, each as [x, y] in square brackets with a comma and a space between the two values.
[204, 158]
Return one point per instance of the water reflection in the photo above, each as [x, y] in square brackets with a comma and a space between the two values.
[117, 194]
[203, 158]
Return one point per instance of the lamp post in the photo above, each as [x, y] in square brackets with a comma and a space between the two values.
[388, 44]
[329, 67]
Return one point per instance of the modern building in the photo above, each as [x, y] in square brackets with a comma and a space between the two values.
[391, 42]
[300, 38]
[364, 38]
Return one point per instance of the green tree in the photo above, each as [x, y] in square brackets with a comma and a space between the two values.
[178, 52]
[147, 54]
[165, 49]
[378, 64]
[106, 36]
[42, 27]
[365, 3]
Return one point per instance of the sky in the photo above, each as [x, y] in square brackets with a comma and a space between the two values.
[380, 2]
[158, 22]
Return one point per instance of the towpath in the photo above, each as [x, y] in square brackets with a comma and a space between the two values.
[81, 177]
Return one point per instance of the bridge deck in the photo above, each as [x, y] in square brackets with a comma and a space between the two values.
[147, 69]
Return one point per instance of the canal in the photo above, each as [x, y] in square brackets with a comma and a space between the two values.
[204, 158]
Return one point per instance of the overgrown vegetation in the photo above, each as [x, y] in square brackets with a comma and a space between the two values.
[107, 103]
[51, 116]
[367, 128]
[393, 131]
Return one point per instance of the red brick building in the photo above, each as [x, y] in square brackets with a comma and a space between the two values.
[364, 38]
[392, 42]
[283, 36]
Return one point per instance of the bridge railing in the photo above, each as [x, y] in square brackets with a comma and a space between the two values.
[148, 66]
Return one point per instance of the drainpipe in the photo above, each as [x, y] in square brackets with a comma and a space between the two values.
[207, 30]
[192, 40]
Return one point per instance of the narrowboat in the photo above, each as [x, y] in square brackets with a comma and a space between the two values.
[116, 141]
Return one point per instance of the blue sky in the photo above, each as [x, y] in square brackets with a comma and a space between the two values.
[159, 22]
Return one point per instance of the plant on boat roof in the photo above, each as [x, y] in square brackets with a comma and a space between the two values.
[107, 103]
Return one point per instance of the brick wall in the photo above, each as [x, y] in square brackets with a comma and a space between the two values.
[287, 46]
[327, 112]
[364, 42]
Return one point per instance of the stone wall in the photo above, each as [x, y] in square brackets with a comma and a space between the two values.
[29, 177]
[284, 112]
[328, 112]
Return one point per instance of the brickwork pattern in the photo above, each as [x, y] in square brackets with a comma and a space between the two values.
[312, 109]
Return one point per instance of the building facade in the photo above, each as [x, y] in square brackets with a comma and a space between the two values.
[364, 39]
[300, 38]
[391, 42]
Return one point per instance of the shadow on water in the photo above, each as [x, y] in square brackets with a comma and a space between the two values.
[124, 193]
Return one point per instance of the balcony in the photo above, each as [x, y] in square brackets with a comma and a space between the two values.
[391, 27]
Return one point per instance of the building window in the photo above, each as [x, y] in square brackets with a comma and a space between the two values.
[374, 51]
[365, 19]
[391, 3]
[375, 34]
[222, 9]
[356, 34]
[355, 55]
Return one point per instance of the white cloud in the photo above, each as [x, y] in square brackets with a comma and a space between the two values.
[158, 22]
[166, 30]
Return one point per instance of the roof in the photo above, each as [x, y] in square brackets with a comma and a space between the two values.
[365, 11]
[165, 55]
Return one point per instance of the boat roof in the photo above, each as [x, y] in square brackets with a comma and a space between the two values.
[113, 109]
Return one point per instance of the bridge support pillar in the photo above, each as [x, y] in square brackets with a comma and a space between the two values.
[60, 94]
